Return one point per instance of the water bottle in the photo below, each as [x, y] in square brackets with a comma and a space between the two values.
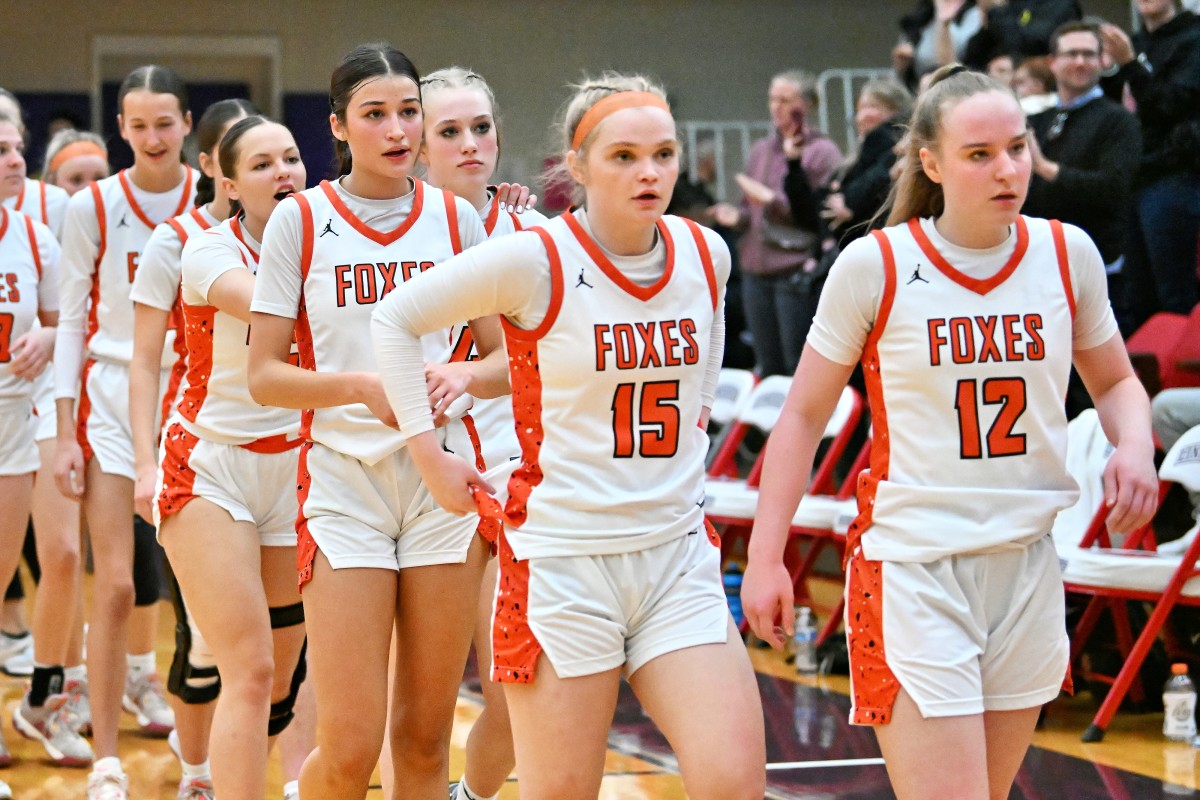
[804, 712]
[732, 580]
[1179, 706]
[804, 642]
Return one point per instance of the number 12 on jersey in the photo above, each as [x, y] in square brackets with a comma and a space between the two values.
[646, 422]
[1009, 394]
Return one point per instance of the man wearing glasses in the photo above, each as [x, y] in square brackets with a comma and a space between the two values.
[1085, 150]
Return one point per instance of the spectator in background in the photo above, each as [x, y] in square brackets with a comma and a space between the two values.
[936, 32]
[1160, 68]
[1018, 27]
[843, 209]
[1035, 85]
[1085, 150]
[772, 250]
[1002, 67]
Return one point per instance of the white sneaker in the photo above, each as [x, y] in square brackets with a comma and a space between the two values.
[144, 699]
[195, 789]
[16, 655]
[79, 705]
[51, 724]
[107, 786]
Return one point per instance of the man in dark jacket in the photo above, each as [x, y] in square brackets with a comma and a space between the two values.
[1085, 150]
[1019, 28]
[1160, 68]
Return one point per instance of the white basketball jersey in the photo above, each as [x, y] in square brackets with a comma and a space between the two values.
[20, 278]
[967, 380]
[347, 267]
[216, 404]
[156, 284]
[124, 230]
[493, 417]
[43, 202]
[607, 399]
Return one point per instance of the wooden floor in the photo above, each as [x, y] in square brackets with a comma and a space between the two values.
[639, 768]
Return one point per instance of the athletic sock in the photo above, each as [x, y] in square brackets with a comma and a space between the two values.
[193, 771]
[109, 765]
[140, 665]
[76, 673]
[46, 681]
[465, 793]
[291, 789]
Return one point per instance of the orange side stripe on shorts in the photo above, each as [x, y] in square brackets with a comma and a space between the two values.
[85, 410]
[179, 479]
[872, 683]
[514, 647]
[306, 545]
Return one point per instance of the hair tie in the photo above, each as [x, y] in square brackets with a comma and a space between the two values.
[956, 69]
[74, 150]
[610, 104]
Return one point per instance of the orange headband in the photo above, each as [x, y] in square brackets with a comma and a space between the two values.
[610, 104]
[74, 150]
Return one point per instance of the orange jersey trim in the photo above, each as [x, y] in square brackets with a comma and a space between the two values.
[379, 237]
[3, 221]
[303, 329]
[966, 281]
[33, 243]
[1064, 264]
[556, 294]
[236, 226]
[123, 177]
[615, 275]
[880, 442]
[178, 477]
[452, 221]
[710, 272]
[198, 324]
[102, 221]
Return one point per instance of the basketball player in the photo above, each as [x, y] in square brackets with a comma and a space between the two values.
[967, 318]
[44, 202]
[29, 292]
[155, 295]
[460, 153]
[374, 550]
[612, 318]
[106, 229]
[226, 500]
[74, 159]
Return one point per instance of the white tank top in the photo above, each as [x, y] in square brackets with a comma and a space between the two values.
[216, 403]
[967, 379]
[22, 292]
[607, 399]
[43, 202]
[124, 230]
[346, 268]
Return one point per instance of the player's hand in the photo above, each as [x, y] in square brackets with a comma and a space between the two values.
[69, 469]
[445, 384]
[143, 491]
[374, 398]
[767, 602]
[515, 197]
[448, 478]
[1130, 488]
[31, 353]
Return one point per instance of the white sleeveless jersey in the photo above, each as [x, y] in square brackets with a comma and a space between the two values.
[44, 202]
[156, 284]
[124, 230]
[493, 417]
[26, 286]
[967, 380]
[216, 404]
[607, 399]
[346, 268]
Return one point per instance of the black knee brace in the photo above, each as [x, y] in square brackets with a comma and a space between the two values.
[193, 678]
[283, 712]
[147, 583]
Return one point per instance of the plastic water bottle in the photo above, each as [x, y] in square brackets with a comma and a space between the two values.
[732, 579]
[1179, 705]
[804, 642]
